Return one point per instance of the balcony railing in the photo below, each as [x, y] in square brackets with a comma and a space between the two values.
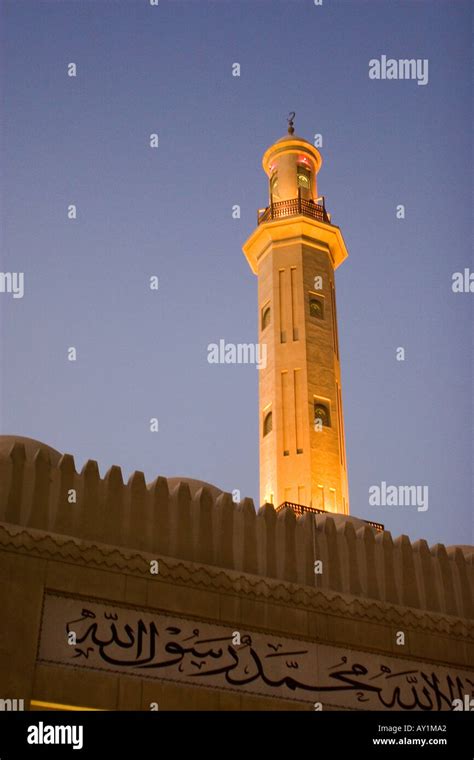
[293, 207]
[300, 509]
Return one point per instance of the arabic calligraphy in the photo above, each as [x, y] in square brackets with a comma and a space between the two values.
[160, 646]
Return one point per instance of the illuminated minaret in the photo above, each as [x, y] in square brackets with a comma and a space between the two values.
[294, 251]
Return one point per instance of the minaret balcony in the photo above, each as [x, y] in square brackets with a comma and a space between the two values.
[293, 207]
[301, 509]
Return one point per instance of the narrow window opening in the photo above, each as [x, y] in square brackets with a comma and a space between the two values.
[321, 414]
[316, 307]
[274, 186]
[267, 423]
[266, 316]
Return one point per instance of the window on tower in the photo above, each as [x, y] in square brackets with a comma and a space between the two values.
[321, 414]
[267, 424]
[266, 316]
[274, 186]
[316, 307]
[304, 177]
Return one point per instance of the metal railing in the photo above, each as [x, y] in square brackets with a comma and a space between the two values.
[300, 509]
[293, 207]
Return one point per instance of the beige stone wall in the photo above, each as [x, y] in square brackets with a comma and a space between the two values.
[218, 532]
[219, 562]
[33, 561]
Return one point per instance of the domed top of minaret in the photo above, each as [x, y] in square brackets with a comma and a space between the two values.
[289, 152]
[290, 137]
[291, 164]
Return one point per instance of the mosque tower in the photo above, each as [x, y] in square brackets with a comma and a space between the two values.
[294, 251]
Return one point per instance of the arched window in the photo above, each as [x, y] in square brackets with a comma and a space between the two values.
[321, 413]
[267, 423]
[304, 177]
[274, 186]
[316, 308]
[266, 315]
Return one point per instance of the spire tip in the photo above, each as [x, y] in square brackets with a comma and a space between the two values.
[291, 121]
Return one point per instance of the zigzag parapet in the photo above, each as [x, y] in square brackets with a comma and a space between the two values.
[41, 489]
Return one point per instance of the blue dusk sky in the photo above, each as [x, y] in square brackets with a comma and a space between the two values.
[167, 212]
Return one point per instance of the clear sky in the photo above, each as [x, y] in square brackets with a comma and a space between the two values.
[168, 212]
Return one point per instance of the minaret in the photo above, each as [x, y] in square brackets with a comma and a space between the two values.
[294, 252]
